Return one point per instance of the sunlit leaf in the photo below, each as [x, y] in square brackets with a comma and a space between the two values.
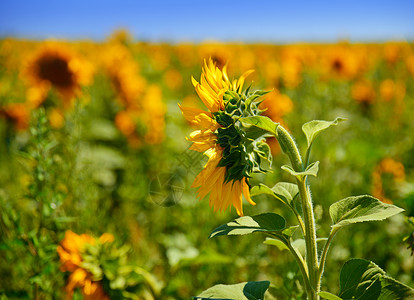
[262, 122]
[313, 128]
[253, 290]
[267, 222]
[329, 296]
[277, 243]
[360, 209]
[311, 170]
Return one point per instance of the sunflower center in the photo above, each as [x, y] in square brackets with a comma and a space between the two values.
[56, 70]
[338, 65]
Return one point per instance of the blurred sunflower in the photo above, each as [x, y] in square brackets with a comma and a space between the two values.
[341, 62]
[225, 181]
[386, 166]
[153, 114]
[124, 74]
[70, 252]
[17, 113]
[54, 65]
[390, 89]
[363, 92]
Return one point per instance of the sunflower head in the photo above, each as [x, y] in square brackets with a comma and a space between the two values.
[54, 65]
[83, 264]
[235, 150]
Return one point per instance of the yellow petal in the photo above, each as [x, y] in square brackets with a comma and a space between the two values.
[237, 197]
[194, 82]
[227, 194]
[240, 82]
[190, 113]
[246, 192]
[208, 169]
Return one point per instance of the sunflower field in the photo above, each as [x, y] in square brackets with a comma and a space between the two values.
[97, 167]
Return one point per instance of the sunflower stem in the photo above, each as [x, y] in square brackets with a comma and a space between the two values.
[310, 238]
[289, 147]
[303, 268]
[325, 253]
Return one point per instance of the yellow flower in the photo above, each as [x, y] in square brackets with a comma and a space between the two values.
[173, 79]
[212, 179]
[125, 122]
[153, 112]
[362, 91]
[54, 65]
[17, 113]
[70, 252]
[124, 74]
[390, 89]
[389, 166]
[341, 62]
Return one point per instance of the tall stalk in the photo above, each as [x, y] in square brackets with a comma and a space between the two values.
[288, 145]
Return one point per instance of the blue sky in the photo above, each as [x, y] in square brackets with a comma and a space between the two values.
[196, 21]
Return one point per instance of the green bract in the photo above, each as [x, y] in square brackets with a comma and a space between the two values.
[244, 148]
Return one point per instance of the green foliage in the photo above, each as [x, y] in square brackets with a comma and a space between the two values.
[242, 291]
[283, 191]
[267, 222]
[362, 279]
[329, 296]
[261, 122]
[360, 209]
[311, 170]
[89, 177]
[313, 128]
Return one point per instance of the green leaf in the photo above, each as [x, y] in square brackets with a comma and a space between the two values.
[262, 122]
[267, 222]
[312, 170]
[360, 209]
[363, 280]
[287, 190]
[329, 296]
[282, 191]
[313, 128]
[391, 289]
[282, 238]
[359, 280]
[253, 290]
[275, 242]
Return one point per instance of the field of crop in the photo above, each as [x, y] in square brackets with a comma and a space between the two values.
[96, 172]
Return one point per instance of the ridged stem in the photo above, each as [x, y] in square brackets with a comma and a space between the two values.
[289, 147]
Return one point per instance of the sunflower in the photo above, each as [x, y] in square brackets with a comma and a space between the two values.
[54, 65]
[123, 72]
[386, 166]
[341, 62]
[222, 138]
[363, 92]
[70, 252]
[18, 114]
